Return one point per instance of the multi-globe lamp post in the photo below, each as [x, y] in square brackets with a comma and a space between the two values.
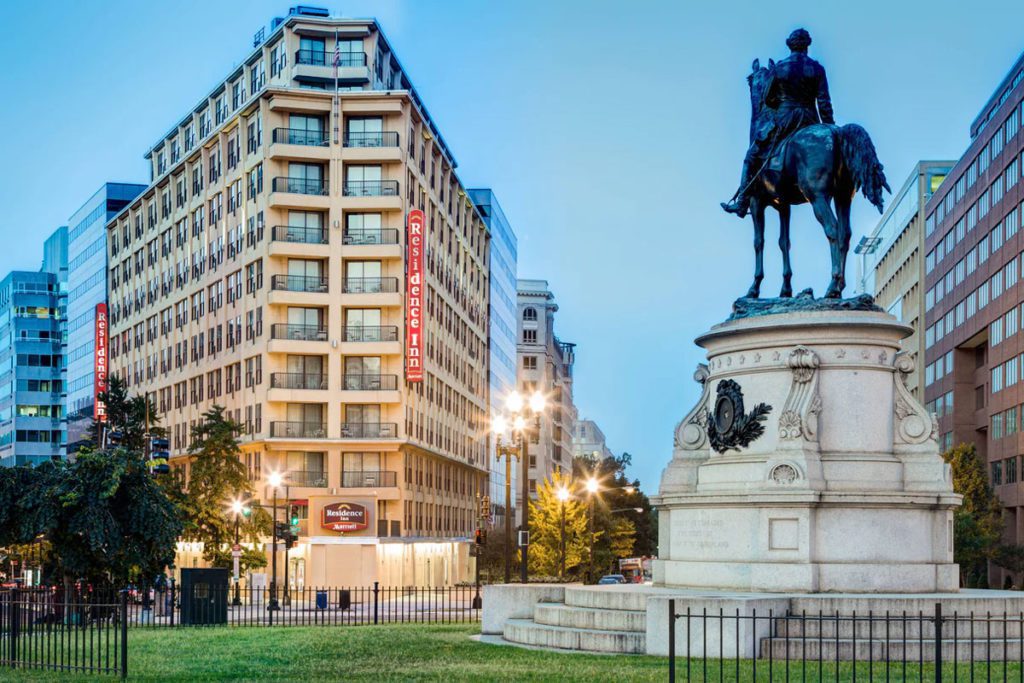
[239, 508]
[275, 479]
[519, 410]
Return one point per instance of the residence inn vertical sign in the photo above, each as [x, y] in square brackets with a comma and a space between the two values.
[414, 297]
[343, 517]
[100, 364]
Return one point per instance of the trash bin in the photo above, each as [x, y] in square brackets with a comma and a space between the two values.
[321, 599]
[344, 599]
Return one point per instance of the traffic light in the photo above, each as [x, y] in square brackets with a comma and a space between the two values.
[114, 438]
[159, 455]
[290, 539]
[481, 537]
[295, 519]
[282, 530]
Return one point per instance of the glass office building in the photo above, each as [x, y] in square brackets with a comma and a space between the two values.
[31, 359]
[502, 333]
[87, 285]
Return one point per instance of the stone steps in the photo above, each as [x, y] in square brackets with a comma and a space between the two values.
[529, 632]
[812, 649]
[589, 618]
[606, 597]
[895, 627]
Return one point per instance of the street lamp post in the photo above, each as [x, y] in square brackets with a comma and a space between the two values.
[592, 487]
[507, 452]
[563, 495]
[236, 507]
[274, 480]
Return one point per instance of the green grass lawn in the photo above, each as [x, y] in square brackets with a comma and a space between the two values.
[429, 653]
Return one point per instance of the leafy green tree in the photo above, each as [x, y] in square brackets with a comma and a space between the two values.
[978, 522]
[615, 510]
[131, 415]
[217, 478]
[546, 528]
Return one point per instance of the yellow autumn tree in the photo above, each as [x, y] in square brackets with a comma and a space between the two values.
[546, 524]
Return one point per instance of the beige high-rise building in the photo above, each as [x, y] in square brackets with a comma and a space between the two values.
[265, 270]
[588, 441]
[545, 365]
[892, 259]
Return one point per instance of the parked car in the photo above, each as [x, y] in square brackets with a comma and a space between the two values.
[609, 579]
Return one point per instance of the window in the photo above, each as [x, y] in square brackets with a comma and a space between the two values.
[997, 472]
[530, 336]
[529, 362]
[529, 313]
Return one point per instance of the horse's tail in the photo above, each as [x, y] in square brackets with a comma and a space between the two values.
[860, 158]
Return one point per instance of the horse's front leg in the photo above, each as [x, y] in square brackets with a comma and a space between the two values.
[757, 215]
[787, 270]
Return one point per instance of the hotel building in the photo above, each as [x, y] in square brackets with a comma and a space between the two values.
[545, 365]
[892, 259]
[973, 297]
[264, 269]
[588, 441]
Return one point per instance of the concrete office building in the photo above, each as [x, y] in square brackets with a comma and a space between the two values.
[501, 336]
[32, 306]
[973, 299]
[263, 269]
[87, 287]
[588, 441]
[891, 265]
[545, 365]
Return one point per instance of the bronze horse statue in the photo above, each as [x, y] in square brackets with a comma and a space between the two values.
[821, 164]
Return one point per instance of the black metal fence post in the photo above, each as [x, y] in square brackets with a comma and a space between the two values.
[124, 634]
[938, 642]
[172, 602]
[15, 616]
[672, 640]
[376, 599]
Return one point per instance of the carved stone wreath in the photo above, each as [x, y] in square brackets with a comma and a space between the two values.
[728, 426]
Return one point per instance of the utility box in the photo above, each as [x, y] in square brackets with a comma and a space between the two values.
[204, 596]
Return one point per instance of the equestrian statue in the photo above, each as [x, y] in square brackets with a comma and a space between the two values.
[798, 154]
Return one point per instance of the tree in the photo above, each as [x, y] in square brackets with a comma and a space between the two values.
[133, 416]
[218, 477]
[978, 522]
[618, 493]
[546, 528]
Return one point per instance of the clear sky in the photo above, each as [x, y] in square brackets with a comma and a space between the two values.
[609, 131]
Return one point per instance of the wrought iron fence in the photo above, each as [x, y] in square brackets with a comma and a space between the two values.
[933, 645]
[54, 629]
[206, 605]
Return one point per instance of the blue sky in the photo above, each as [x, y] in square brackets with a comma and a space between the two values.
[610, 132]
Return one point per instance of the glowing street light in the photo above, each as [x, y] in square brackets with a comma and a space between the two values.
[514, 402]
[537, 402]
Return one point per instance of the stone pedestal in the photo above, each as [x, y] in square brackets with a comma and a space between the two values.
[827, 477]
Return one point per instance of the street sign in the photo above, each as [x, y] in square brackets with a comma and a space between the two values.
[236, 548]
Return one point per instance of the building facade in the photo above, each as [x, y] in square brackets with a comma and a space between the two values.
[87, 287]
[545, 365]
[973, 298]
[588, 441]
[264, 269]
[892, 259]
[32, 306]
[501, 336]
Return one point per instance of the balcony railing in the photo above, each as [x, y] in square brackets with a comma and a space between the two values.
[301, 136]
[297, 380]
[367, 333]
[300, 234]
[311, 478]
[369, 430]
[301, 186]
[324, 58]
[371, 236]
[369, 382]
[368, 479]
[299, 283]
[298, 332]
[298, 430]
[378, 139]
[371, 188]
[370, 285]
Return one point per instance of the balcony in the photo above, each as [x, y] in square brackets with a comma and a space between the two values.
[298, 430]
[299, 283]
[319, 66]
[370, 285]
[299, 332]
[378, 139]
[370, 188]
[368, 479]
[307, 186]
[299, 136]
[316, 479]
[369, 430]
[298, 380]
[299, 234]
[369, 382]
[367, 333]
[323, 58]
[371, 237]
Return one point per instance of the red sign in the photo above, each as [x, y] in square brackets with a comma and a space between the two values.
[343, 517]
[414, 297]
[100, 364]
